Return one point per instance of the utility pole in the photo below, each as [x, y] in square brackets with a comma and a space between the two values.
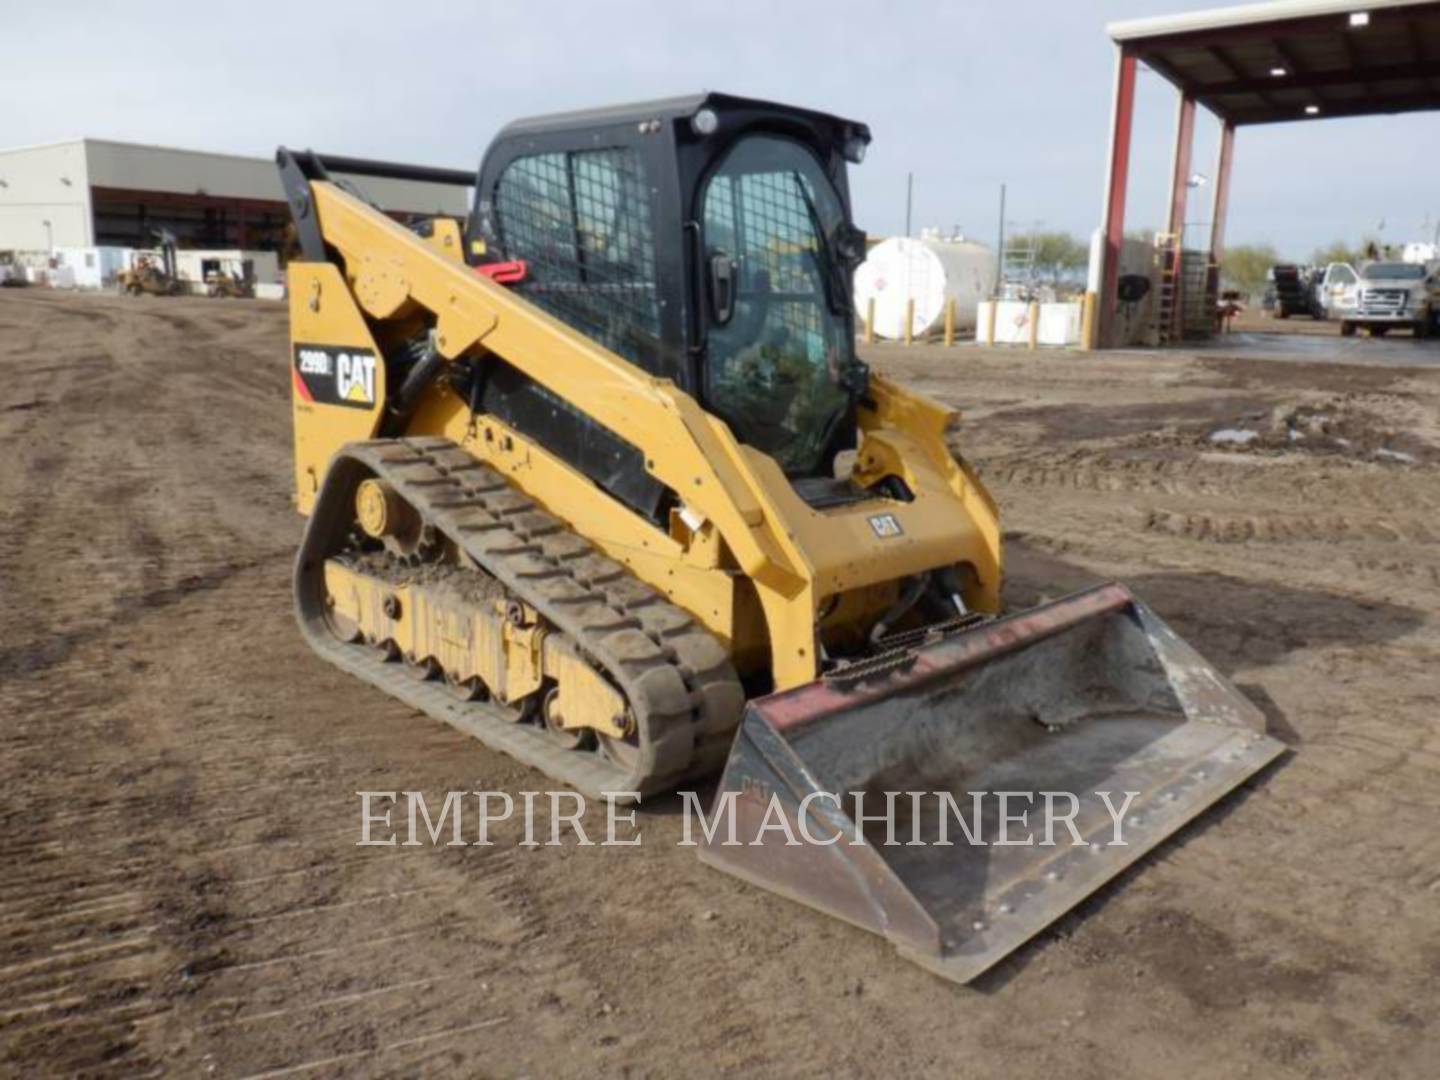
[909, 199]
[1000, 246]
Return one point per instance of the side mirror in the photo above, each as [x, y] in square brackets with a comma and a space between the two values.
[850, 245]
[722, 288]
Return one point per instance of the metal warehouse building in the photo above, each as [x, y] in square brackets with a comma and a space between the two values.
[87, 193]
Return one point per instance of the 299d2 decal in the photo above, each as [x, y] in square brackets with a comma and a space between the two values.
[331, 375]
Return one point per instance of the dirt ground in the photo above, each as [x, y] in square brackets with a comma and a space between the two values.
[182, 890]
[1258, 320]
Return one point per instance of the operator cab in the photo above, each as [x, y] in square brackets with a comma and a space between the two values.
[707, 239]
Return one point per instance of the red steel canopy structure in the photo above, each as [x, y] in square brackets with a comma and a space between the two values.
[1291, 60]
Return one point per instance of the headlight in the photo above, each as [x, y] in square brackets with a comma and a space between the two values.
[855, 149]
[705, 122]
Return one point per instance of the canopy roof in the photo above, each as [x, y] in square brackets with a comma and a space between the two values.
[1297, 59]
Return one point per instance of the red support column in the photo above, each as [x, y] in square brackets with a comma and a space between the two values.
[1175, 221]
[1222, 206]
[1113, 225]
[1222, 191]
[1180, 171]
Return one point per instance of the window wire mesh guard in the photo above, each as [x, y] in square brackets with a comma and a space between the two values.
[581, 220]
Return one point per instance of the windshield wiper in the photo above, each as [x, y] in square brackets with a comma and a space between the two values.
[854, 375]
[824, 254]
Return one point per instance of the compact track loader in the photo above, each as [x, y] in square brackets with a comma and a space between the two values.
[597, 476]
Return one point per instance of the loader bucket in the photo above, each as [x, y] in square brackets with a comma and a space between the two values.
[1091, 694]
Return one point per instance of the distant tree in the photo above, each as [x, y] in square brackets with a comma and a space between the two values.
[1335, 251]
[1341, 252]
[1244, 266]
[1058, 255]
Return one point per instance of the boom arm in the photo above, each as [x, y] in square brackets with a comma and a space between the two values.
[388, 266]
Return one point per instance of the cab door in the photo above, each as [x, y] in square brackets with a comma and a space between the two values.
[1340, 291]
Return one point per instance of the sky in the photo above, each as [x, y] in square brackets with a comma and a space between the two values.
[966, 95]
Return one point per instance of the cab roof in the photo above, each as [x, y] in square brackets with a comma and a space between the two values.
[668, 109]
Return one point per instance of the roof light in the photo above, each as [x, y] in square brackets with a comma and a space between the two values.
[705, 122]
[1279, 72]
[1359, 18]
[854, 149]
[1312, 110]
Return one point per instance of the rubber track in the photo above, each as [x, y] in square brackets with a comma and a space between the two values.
[676, 675]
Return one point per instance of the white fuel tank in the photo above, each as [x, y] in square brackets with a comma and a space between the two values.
[931, 272]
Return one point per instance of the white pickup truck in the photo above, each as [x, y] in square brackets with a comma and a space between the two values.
[1395, 294]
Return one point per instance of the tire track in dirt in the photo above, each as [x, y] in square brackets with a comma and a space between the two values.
[85, 956]
[1241, 528]
[182, 775]
[1127, 471]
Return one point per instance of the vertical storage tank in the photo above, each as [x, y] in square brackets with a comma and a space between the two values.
[929, 271]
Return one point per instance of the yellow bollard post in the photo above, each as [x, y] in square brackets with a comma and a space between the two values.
[1034, 324]
[950, 321]
[909, 322]
[1087, 322]
[870, 321]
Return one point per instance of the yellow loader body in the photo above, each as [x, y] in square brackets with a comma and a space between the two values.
[807, 636]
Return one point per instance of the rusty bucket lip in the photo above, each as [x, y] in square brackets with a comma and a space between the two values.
[964, 959]
[793, 709]
[1226, 746]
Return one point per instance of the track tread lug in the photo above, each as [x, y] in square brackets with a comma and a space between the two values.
[566, 546]
[535, 524]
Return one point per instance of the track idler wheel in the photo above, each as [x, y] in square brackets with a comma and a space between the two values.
[385, 516]
[624, 752]
[343, 627]
[567, 737]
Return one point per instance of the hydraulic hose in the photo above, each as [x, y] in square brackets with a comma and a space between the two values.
[911, 595]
